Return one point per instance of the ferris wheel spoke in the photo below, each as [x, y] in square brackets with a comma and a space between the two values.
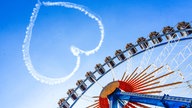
[160, 86]
[132, 74]
[165, 53]
[129, 66]
[184, 85]
[113, 73]
[168, 89]
[182, 56]
[147, 56]
[189, 68]
[124, 76]
[143, 82]
[87, 100]
[93, 105]
[89, 97]
[139, 76]
[98, 83]
[95, 97]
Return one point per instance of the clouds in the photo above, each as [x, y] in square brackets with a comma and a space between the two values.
[75, 50]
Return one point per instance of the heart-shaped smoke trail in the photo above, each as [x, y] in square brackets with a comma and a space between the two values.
[76, 51]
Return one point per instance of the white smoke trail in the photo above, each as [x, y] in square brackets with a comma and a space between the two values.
[76, 51]
[75, 6]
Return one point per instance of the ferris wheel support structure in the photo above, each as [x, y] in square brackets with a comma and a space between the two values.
[163, 101]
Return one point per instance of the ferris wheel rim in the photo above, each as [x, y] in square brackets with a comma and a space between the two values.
[127, 58]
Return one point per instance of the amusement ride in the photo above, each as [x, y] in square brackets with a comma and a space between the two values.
[158, 73]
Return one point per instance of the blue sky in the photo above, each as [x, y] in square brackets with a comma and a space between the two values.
[57, 28]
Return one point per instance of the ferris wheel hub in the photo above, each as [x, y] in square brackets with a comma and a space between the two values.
[109, 89]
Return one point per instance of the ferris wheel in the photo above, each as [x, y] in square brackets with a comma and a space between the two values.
[156, 71]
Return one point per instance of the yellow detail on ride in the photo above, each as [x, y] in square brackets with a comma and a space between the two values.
[109, 89]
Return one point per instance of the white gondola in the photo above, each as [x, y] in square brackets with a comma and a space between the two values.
[167, 30]
[90, 76]
[63, 103]
[120, 55]
[142, 42]
[154, 37]
[100, 69]
[132, 50]
[109, 61]
[184, 25]
[72, 93]
[81, 85]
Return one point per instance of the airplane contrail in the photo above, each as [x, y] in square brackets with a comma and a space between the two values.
[75, 50]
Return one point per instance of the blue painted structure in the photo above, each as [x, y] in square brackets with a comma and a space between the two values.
[118, 98]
